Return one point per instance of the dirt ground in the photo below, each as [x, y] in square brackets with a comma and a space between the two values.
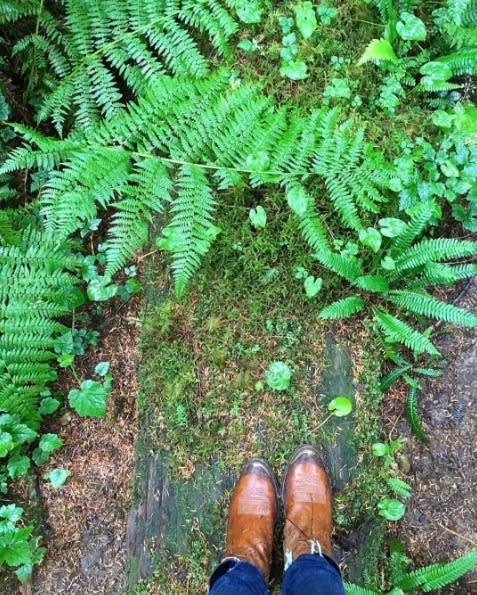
[440, 523]
[86, 519]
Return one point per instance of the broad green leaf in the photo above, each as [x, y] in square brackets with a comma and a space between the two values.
[379, 449]
[247, 45]
[249, 12]
[297, 200]
[378, 50]
[410, 27]
[65, 360]
[102, 368]
[18, 465]
[258, 217]
[50, 442]
[100, 290]
[305, 19]
[371, 237]
[278, 376]
[49, 405]
[437, 71]
[57, 477]
[15, 546]
[442, 119]
[391, 227]
[90, 400]
[6, 443]
[312, 286]
[23, 572]
[294, 70]
[11, 512]
[340, 406]
[391, 509]
[388, 263]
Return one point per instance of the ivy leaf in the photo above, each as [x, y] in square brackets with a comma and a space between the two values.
[278, 376]
[305, 19]
[391, 509]
[297, 200]
[312, 286]
[17, 466]
[57, 477]
[340, 406]
[50, 442]
[378, 50]
[258, 217]
[294, 70]
[90, 400]
[371, 237]
[249, 12]
[410, 27]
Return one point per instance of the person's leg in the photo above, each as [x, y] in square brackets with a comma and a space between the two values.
[236, 577]
[306, 493]
[252, 514]
[312, 574]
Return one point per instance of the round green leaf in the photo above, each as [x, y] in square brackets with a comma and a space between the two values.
[249, 12]
[100, 291]
[18, 465]
[388, 263]
[442, 119]
[294, 70]
[391, 509]
[278, 376]
[258, 217]
[90, 399]
[379, 449]
[297, 200]
[50, 442]
[312, 286]
[305, 19]
[340, 406]
[102, 368]
[391, 227]
[436, 71]
[371, 237]
[49, 405]
[57, 477]
[411, 27]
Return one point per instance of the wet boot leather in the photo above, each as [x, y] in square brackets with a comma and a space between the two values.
[252, 516]
[307, 501]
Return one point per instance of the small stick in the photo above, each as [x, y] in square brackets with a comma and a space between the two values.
[458, 535]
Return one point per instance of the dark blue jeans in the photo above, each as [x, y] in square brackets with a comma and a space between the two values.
[310, 574]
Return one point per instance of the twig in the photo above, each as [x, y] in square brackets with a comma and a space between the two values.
[458, 535]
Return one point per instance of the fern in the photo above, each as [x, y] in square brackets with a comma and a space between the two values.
[439, 575]
[412, 412]
[36, 287]
[462, 62]
[401, 332]
[343, 308]
[351, 589]
[430, 307]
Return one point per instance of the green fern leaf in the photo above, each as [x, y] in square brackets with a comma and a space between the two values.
[412, 412]
[347, 267]
[343, 308]
[351, 589]
[419, 303]
[422, 214]
[439, 575]
[190, 232]
[372, 283]
[400, 332]
[463, 62]
[378, 50]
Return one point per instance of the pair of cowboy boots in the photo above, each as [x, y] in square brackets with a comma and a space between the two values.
[307, 502]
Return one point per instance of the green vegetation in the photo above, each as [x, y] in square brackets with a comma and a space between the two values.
[338, 185]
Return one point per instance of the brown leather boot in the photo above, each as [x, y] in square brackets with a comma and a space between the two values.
[252, 516]
[307, 500]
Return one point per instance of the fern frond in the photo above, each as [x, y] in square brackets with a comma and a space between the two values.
[439, 575]
[345, 266]
[351, 589]
[412, 413]
[461, 62]
[400, 332]
[445, 274]
[420, 303]
[399, 487]
[421, 215]
[343, 308]
[191, 231]
[432, 250]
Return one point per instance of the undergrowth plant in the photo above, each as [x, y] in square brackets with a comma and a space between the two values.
[427, 579]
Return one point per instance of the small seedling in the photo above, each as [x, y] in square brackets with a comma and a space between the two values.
[278, 376]
[258, 217]
[391, 509]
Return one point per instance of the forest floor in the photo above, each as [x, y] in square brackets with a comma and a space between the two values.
[179, 489]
